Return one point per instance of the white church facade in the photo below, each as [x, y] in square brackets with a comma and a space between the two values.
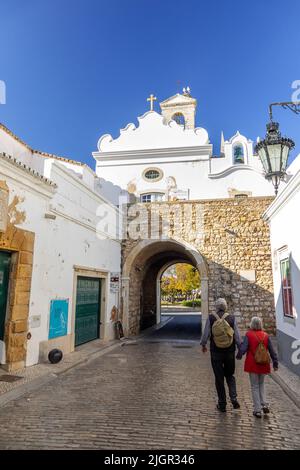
[166, 157]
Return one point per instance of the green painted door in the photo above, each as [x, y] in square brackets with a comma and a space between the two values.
[87, 314]
[4, 278]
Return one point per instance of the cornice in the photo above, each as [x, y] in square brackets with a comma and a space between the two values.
[42, 154]
[26, 169]
[149, 153]
[33, 181]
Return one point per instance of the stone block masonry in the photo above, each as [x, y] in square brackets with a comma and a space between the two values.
[231, 237]
[21, 244]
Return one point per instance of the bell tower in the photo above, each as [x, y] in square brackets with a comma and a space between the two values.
[181, 108]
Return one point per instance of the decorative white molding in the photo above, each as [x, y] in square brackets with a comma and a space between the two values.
[233, 168]
[152, 133]
[240, 137]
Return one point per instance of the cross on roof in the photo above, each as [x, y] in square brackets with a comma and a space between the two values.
[151, 98]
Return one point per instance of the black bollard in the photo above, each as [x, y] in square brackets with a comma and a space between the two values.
[55, 355]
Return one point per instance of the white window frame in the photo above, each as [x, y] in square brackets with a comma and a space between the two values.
[290, 312]
[154, 180]
[151, 194]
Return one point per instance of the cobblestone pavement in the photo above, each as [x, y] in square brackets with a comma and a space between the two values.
[29, 374]
[145, 395]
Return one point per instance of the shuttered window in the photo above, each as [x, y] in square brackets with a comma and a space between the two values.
[286, 287]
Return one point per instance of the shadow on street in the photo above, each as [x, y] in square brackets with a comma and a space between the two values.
[180, 328]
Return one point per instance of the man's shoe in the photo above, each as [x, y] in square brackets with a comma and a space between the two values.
[221, 408]
[236, 405]
[266, 409]
[257, 414]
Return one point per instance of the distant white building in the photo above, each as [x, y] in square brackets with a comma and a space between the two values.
[166, 157]
[283, 218]
[56, 261]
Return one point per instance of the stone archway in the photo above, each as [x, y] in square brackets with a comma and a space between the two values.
[225, 239]
[141, 270]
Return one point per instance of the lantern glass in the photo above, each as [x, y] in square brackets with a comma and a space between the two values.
[274, 151]
[263, 157]
[285, 155]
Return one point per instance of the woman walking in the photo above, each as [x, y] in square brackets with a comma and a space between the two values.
[260, 352]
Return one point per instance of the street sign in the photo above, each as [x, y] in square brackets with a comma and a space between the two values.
[114, 282]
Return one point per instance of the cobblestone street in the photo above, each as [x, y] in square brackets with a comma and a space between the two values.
[152, 393]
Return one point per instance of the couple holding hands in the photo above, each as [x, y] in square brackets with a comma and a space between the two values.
[222, 331]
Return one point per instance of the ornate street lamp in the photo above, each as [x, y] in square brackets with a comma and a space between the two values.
[274, 150]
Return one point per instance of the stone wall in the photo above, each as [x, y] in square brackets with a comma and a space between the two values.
[21, 244]
[231, 237]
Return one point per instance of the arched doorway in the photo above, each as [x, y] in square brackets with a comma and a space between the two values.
[179, 290]
[140, 280]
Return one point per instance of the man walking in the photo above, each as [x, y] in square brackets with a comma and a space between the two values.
[222, 330]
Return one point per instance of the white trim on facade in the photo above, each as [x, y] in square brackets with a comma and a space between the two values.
[284, 196]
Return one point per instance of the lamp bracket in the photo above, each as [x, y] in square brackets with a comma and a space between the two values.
[292, 105]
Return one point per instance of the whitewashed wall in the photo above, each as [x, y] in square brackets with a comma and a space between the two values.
[285, 228]
[190, 176]
[67, 241]
[60, 244]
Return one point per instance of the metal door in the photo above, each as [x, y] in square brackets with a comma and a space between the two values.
[87, 313]
[4, 278]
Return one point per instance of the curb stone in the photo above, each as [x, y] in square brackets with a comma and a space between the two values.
[295, 399]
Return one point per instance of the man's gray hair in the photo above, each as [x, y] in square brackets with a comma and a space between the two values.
[221, 304]
[256, 323]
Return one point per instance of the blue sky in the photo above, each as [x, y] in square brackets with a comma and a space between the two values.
[76, 69]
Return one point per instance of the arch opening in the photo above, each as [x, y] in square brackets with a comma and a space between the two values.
[142, 271]
[179, 118]
[179, 288]
[238, 154]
